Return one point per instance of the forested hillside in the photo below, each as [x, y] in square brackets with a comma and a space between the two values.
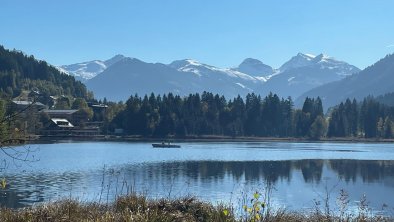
[375, 80]
[22, 72]
[368, 119]
[387, 99]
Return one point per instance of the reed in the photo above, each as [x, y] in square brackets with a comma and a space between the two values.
[134, 207]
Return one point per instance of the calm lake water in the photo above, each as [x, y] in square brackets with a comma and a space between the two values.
[298, 175]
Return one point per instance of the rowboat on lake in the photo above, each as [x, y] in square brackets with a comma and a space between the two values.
[165, 145]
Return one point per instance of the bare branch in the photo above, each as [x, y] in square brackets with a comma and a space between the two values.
[14, 115]
[18, 155]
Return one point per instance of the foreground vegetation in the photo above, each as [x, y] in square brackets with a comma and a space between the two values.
[139, 208]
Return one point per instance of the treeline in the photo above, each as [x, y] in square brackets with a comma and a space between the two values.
[271, 116]
[387, 99]
[209, 114]
[367, 119]
[21, 72]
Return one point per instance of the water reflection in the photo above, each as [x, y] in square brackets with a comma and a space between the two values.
[211, 180]
[366, 171]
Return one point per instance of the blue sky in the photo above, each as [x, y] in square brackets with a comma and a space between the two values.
[217, 32]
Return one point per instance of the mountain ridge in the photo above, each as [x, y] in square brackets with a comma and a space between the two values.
[84, 71]
[375, 80]
[230, 82]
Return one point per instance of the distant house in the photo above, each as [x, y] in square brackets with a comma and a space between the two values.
[61, 123]
[58, 126]
[22, 105]
[98, 111]
[27, 114]
[69, 114]
[62, 127]
[99, 106]
[34, 93]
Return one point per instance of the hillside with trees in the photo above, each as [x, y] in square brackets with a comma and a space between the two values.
[19, 72]
[387, 99]
[375, 80]
[368, 119]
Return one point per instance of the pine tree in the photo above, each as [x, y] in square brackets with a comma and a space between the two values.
[318, 108]
[387, 128]
[318, 128]
[354, 113]
[3, 126]
[379, 128]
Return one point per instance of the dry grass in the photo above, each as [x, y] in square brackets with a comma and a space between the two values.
[127, 208]
[139, 208]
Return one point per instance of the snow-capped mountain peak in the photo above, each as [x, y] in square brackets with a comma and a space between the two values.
[189, 65]
[297, 61]
[307, 71]
[321, 61]
[307, 56]
[181, 64]
[87, 70]
[201, 69]
[321, 58]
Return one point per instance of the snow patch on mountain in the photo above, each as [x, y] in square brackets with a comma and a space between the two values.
[321, 61]
[276, 72]
[291, 78]
[88, 70]
[297, 61]
[240, 85]
[201, 69]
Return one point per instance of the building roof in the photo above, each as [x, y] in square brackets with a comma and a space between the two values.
[63, 123]
[27, 103]
[60, 111]
[100, 106]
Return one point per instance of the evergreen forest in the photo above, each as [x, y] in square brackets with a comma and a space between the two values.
[271, 116]
[20, 72]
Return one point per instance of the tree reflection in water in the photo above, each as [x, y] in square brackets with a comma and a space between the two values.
[204, 178]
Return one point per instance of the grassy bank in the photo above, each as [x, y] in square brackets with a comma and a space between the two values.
[139, 208]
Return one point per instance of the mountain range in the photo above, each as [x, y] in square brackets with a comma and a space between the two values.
[304, 72]
[375, 80]
[119, 77]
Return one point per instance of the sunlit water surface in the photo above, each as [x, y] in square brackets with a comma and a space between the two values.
[298, 176]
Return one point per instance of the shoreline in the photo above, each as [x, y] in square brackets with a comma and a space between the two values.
[204, 138]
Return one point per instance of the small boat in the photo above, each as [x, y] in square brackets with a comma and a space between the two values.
[165, 145]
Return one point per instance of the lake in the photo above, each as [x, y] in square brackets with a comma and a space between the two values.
[297, 176]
